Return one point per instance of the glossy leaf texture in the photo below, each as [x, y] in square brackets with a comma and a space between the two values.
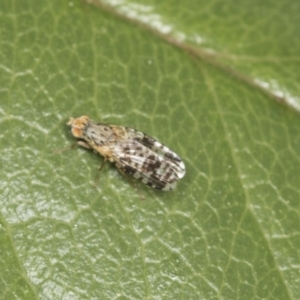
[217, 82]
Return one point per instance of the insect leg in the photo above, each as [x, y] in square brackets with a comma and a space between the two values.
[98, 174]
[65, 149]
[83, 144]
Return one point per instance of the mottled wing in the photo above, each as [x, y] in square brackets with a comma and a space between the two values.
[160, 149]
[142, 163]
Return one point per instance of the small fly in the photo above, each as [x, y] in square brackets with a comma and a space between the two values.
[133, 152]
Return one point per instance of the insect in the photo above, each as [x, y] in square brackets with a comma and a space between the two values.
[134, 153]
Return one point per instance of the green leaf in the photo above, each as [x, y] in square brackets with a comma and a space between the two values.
[218, 82]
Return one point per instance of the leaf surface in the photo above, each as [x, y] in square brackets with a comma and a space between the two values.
[218, 82]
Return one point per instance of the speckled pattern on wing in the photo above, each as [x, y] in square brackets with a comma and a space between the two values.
[134, 153]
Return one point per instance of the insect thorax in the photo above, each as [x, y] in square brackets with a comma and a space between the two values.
[99, 134]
